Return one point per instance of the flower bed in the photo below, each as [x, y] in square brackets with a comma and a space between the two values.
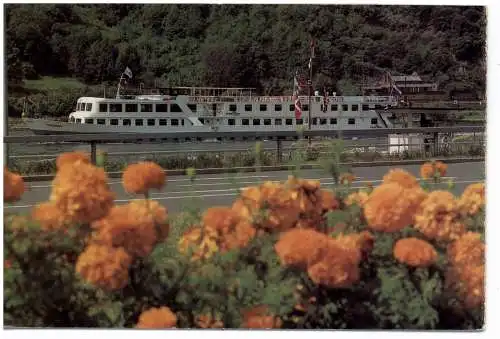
[402, 255]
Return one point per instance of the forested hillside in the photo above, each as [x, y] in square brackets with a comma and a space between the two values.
[245, 45]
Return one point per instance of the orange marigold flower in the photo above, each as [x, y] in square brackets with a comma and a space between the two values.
[347, 178]
[339, 268]
[301, 247]
[13, 186]
[468, 284]
[270, 206]
[427, 170]
[391, 207]
[308, 186]
[81, 193]
[328, 201]
[238, 237]
[71, 158]
[147, 209]
[122, 227]
[364, 241]
[259, 317]
[415, 252]
[473, 198]
[231, 231]
[220, 218]
[468, 250]
[207, 321]
[430, 169]
[161, 317]
[438, 217]
[401, 177]
[358, 198]
[7, 263]
[141, 177]
[104, 266]
[49, 217]
[441, 168]
[202, 242]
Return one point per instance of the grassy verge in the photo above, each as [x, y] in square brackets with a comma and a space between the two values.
[247, 159]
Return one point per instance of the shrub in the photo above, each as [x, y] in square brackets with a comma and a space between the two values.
[283, 255]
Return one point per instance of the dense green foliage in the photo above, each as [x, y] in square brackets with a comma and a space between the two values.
[246, 45]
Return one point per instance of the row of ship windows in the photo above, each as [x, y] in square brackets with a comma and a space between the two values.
[129, 108]
[174, 108]
[231, 122]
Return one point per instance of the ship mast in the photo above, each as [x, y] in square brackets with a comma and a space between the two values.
[310, 79]
[126, 72]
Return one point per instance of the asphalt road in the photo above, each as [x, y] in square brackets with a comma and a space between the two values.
[212, 190]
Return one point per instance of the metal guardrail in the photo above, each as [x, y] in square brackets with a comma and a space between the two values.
[278, 136]
[109, 137]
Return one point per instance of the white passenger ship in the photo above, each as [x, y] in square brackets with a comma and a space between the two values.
[202, 109]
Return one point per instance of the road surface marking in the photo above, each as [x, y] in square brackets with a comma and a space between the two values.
[216, 195]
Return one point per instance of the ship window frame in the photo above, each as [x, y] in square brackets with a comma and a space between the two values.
[256, 122]
[365, 107]
[354, 107]
[231, 122]
[113, 106]
[351, 121]
[175, 108]
[345, 107]
[127, 122]
[78, 120]
[193, 107]
[148, 122]
[162, 122]
[292, 108]
[89, 121]
[88, 107]
[105, 105]
[161, 106]
[333, 121]
[374, 121]
[142, 105]
[131, 108]
[99, 120]
[323, 121]
[278, 107]
[305, 108]
[314, 121]
[182, 122]
[174, 122]
[299, 122]
[289, 122]
[248, 107]
[262, 107]
[136, 122]
[245, 122]
[114, 120]
[278, 122]
[267, 122]
[334, 107]
[232, 107]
